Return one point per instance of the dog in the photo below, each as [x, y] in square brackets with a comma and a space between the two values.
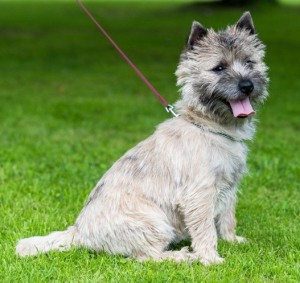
[181, 182]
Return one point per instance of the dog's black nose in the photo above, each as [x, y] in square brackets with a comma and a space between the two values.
[246, 86]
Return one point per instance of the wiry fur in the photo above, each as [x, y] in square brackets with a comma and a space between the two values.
[181, 181]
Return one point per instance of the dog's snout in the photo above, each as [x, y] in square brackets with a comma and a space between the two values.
[246, 86]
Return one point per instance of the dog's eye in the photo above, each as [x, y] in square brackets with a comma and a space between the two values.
[250, 62]
[218, 69]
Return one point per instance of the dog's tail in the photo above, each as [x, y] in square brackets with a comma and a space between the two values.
[62, 240]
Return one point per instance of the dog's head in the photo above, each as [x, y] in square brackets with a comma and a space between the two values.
[222, 74]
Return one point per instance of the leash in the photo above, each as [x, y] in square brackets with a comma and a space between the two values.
[169, 108]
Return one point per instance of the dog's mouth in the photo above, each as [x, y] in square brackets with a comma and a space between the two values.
[241, 108]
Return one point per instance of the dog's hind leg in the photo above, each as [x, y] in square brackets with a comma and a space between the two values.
[133, 227]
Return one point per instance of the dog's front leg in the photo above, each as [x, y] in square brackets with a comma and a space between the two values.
[226, 222]
[199, 219]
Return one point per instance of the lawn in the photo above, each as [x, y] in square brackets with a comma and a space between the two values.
[70, 106]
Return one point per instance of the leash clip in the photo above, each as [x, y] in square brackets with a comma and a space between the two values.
[170, 108]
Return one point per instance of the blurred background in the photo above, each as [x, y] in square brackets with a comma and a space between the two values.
[57, 70]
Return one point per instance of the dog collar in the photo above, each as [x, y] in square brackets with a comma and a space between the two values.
[218, 133]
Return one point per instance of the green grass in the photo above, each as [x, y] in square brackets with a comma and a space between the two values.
[70, 106]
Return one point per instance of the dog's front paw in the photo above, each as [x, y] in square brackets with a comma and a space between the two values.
[234, 239]
[207, 259]
[240, 240]
[210, 261]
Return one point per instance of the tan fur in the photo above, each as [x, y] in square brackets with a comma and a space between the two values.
[179, 183]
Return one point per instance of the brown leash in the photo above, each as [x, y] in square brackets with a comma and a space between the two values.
[167, 106]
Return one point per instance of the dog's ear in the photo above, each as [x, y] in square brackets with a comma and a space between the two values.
[197, 32]
[245, 22]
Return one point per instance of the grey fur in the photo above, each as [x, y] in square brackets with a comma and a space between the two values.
[181, 182]
[197, 32]
[245, 22]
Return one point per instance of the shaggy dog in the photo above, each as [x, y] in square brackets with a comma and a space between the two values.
[181, 182]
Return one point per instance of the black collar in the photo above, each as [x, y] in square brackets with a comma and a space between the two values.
[219, 133]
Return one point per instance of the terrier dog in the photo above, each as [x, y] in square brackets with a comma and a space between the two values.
[181, 182]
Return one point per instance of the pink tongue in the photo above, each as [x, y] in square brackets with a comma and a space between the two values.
[241, 108]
